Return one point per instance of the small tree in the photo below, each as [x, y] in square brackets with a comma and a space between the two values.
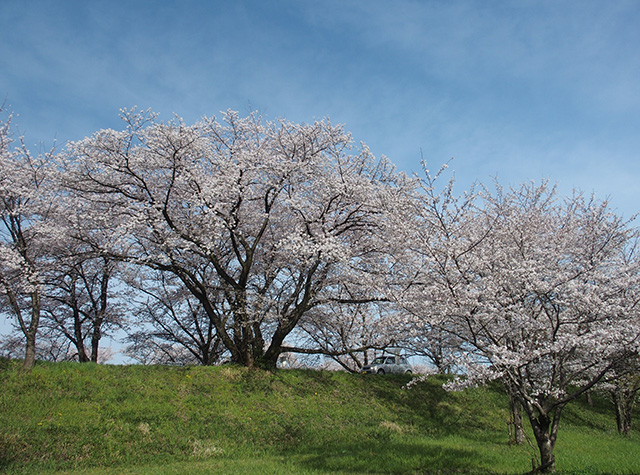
[439, 347]
[348, 333]
[27, 235]
[172, 325]
[79, 302]
[623, 386]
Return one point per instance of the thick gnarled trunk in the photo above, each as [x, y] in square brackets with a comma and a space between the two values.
[544, 422]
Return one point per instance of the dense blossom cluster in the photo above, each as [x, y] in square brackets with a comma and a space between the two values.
[261, 222]
[540, 293]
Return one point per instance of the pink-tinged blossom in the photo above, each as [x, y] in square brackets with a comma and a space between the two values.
[28, 236]
[542, 293]
[261, 221]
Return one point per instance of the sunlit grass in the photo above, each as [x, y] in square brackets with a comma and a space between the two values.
[90, 419]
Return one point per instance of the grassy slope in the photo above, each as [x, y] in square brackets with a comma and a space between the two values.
[110, 419]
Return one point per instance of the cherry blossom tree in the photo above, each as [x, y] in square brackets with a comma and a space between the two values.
[27, 235]
[11, 346]
[623, 387]
[171, 325]
[79, 302]
[348, 334]
[439, 347]
[260, 221]
[541, 291]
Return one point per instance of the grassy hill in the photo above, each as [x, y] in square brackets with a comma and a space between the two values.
[94, 419]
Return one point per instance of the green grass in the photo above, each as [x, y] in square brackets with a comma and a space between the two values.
[90, 419]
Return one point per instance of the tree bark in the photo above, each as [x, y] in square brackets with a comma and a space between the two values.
[30, 351]
[101, 311]
[95, 339]
[78, 340]
[547, 459]
[624, 401]
[544, 423]
[516, 431]
[589, 398]
[540, 426]
[31, 332]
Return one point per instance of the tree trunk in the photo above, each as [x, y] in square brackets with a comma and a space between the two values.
[78, 341]
[589, 398]
[516, 431]
[95, 339]
[30, 351]
[31, 332]
[101, 311]
[623, 401]
[82, 354]
[545, 431]
[547, 459]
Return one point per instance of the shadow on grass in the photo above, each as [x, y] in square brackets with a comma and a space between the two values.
[391, 457]
[598, 416]
[428, 407]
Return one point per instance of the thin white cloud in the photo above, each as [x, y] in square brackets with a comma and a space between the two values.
[520, 89]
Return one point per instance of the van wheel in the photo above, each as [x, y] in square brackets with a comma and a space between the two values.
[380, 371]
[408, 371]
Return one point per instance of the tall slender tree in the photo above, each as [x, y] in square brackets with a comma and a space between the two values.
[27, 234]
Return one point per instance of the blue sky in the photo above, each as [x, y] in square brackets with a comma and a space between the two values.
[521, 90]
